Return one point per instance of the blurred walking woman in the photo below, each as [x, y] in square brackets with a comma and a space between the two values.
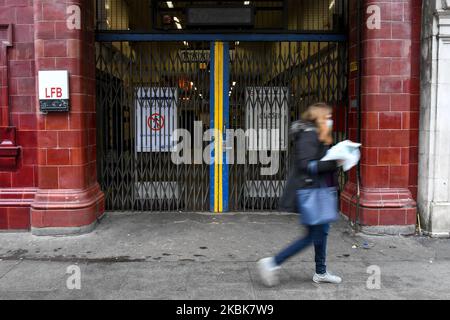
[312, 139]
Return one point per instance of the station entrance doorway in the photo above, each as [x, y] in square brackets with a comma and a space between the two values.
[154, 88]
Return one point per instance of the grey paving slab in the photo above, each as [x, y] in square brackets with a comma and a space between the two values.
[28, 295]
[196, 256]
[7, 266]
[157, 280]
[34, 276]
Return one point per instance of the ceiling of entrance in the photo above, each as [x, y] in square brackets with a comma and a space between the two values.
[269, 16]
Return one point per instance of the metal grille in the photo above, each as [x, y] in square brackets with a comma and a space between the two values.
[272, 84]
[164, 83]
[144, 86]
[279, 16]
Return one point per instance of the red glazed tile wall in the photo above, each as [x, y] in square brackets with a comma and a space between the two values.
[57, 150]
[17, 112]
[65, 138]
[390, 108]
[68, 195]
[18, 97]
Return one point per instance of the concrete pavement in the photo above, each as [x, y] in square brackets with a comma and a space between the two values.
[195, 256]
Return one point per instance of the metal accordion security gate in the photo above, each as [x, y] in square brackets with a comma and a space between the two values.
[274, 83]
[147, 91]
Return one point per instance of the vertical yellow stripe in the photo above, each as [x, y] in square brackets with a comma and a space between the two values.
[220, 89]
[216, 119]
[218, 125]
[216, 122]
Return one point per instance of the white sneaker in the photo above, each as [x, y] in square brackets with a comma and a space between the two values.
[327, 278]
[268, 271]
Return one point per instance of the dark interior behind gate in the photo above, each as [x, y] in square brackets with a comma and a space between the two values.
[145, 89]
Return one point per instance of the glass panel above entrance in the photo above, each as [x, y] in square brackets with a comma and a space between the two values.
[282, 16]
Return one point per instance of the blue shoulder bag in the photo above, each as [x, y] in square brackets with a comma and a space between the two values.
[317, 205]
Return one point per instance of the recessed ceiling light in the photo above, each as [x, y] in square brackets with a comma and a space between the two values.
[332, 4]
[170, 4]
[177, 23]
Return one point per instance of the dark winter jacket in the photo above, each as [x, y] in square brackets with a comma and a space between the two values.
[307, 148]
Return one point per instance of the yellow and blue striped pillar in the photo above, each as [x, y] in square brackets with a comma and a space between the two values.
[220, 111]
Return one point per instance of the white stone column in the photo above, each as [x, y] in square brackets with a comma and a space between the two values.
[434, 153]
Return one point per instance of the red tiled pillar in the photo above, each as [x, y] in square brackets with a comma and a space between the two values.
[17, 115]
[69, 199]
[4, 95]
[390, 115]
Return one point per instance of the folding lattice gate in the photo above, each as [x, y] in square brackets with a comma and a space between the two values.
[145, 90]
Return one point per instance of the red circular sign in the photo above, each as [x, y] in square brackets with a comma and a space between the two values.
[156, 122]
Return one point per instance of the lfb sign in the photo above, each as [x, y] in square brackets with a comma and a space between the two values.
[54, 91]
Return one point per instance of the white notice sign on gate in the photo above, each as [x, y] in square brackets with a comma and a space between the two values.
[267, 117]
[156, 119]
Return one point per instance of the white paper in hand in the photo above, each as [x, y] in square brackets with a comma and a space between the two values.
[347, 152]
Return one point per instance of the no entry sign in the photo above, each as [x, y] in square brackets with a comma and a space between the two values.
[156, 118]
[156, 122]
